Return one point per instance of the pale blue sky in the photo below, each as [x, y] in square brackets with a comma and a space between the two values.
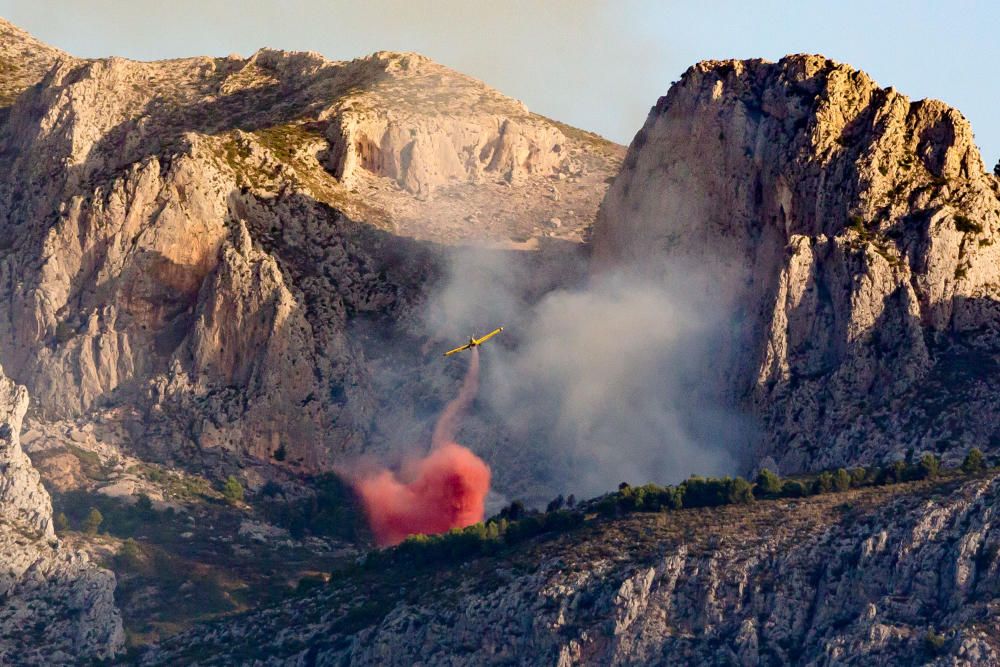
[597, 65]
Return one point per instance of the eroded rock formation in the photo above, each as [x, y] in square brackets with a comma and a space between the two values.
[385, 130]
[58, 608]
[185, 242]
[851, 235]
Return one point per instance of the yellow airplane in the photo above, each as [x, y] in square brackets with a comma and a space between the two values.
[473, 342]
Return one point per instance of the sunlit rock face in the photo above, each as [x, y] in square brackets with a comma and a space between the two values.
[186, 242]
[851, 235]
[58, 607]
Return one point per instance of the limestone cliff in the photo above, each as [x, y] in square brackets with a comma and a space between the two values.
[851, 236]
[22, 496]
[58, 608]
[186, 242]
[385, 130]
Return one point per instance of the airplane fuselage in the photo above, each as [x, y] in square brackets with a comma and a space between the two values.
[474, 342]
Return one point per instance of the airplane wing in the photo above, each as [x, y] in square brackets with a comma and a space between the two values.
[489, 335]
[457, 349]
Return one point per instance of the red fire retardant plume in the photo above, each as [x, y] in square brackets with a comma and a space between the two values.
[446, 489]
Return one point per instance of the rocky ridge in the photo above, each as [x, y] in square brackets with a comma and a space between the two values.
[202, 259]
[58, 607]
[869, 577]
[850, 234]
[23, 61]
[181, 235]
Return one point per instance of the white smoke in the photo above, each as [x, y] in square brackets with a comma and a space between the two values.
[606, 381]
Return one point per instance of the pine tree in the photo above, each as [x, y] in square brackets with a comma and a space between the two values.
[93, 521]
[556, 504]
[233, 490]
[768, 483]
[929, 466]
[841, 480]
[973, 462]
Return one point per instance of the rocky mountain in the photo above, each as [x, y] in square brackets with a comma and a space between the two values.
[214, 267]
[57, 606]
[187, 243]
[222, 266]
[902, 575]
[852, 235]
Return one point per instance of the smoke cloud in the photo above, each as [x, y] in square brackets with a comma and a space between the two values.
[614, 379]
[445, 489]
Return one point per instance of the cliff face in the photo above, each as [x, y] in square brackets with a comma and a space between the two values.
[865, 577]
[385, 131]
[851, 234]
[186, 242]
[58, 608]
[229, 256]
[23, 498]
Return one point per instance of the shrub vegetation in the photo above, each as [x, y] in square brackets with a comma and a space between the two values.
[516, 523]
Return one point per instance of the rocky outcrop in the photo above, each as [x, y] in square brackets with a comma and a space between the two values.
[403, 134]
[22, 496]
[849, 233]
[249, 331]
[189, 240]
[873, 577]
[58, 608]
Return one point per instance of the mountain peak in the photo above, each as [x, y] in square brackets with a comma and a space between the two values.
[24, 60]
[857, 227]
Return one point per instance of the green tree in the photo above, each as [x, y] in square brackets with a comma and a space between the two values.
[61, 522]
[556, 504]
[973, 462]
[144, 505]
[841, 480]
[93, 521]
[768, 483]
[233, 490]
[705, 491]
[740, 491]
[793, 488]
[929, 466]
[130, 554]
[823, 483]
[513, 512]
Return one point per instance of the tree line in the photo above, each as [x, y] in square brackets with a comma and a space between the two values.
[515, 523]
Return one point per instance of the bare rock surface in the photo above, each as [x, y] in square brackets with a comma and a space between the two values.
[22, 496]
[202, 262]
[851, 235]
[58, 607]
[186, 243]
